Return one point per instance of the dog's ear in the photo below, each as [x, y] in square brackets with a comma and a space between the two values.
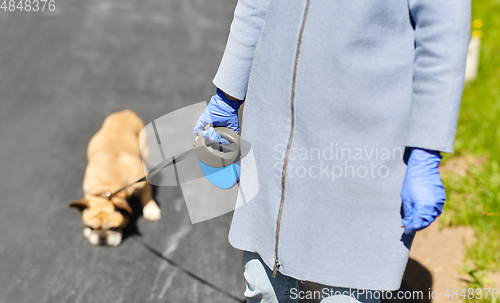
[80, 204]
[122, 205]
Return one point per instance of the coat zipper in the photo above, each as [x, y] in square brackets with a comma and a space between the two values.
[276, 261]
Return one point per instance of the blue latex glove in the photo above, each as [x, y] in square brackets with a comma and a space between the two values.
[219, 112]
[423, 192]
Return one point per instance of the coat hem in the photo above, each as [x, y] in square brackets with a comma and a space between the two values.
[389, 288]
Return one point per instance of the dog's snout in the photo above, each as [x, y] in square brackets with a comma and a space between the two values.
[102, 237]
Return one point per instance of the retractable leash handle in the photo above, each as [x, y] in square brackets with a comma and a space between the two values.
[217, 161]
[215, 154]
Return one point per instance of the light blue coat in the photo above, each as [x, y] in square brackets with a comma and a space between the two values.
[335, 91]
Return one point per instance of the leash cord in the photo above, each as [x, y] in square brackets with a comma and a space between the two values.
[127, 186]
[161, 256]
[153, 172]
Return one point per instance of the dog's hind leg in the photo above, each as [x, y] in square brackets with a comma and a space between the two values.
[151, 211]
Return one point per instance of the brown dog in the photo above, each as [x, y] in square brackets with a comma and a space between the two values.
[114, 161]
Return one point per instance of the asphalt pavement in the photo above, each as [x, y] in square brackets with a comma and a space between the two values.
[61, 74]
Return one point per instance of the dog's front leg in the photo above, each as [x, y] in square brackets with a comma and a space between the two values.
[150, 210]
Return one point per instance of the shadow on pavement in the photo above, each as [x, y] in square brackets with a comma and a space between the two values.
[135, 203]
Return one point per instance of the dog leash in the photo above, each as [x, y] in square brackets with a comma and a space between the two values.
[108, 194]
[210, 153]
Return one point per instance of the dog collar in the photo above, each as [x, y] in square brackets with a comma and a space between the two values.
[108, 195]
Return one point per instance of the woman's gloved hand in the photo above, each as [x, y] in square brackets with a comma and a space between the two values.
[219, 112]
[423, 192]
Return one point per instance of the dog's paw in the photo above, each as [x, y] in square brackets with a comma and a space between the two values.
[151, 211]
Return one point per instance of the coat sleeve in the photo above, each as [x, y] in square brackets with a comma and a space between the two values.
[442, 34]
[234, 69]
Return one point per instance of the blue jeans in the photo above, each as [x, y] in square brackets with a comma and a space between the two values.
[263, 288]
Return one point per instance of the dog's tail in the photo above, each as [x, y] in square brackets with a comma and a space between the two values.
[133, 120]
[126, 117]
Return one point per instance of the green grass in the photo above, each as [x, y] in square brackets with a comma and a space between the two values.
[478, 135]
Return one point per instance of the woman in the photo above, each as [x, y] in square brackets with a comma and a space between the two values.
[348, 105]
